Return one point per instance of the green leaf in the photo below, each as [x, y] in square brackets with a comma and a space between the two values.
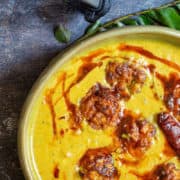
[166, 16]
[145, 20]
[93, 28]
[62, 34]
[178, 6]
[130, 22]
[119, 24]
[116, 25]
[169, 17]
[153, 15]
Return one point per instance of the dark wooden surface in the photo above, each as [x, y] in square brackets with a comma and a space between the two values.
[27, 45]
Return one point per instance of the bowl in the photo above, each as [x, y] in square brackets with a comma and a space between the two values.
[25, 139]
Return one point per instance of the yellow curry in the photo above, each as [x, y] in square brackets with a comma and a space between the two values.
[109, 113]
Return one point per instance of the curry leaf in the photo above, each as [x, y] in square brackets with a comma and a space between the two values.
[153, 15]
[92, 29]
[169, 17]
[178, 7]
[145, 20]
[130, 22]
[119, 24]
[62, 34]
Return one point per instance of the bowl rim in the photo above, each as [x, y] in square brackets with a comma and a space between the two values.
[53, 67]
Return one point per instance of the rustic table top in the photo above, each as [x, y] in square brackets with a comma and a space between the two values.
[27, 45]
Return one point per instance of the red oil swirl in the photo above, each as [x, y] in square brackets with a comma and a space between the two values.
[148, 54]
[49, 101]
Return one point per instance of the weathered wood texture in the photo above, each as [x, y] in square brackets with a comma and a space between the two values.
[27, 45]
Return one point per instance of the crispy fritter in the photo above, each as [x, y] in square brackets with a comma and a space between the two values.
[135, 134]
[126, 78]
[98, 164]
[100, 107]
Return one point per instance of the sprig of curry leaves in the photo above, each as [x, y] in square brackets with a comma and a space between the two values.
[167, 15]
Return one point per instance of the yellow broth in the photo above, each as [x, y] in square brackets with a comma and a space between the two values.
[63, 148]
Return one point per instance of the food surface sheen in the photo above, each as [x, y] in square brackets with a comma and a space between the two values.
[112, 112]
